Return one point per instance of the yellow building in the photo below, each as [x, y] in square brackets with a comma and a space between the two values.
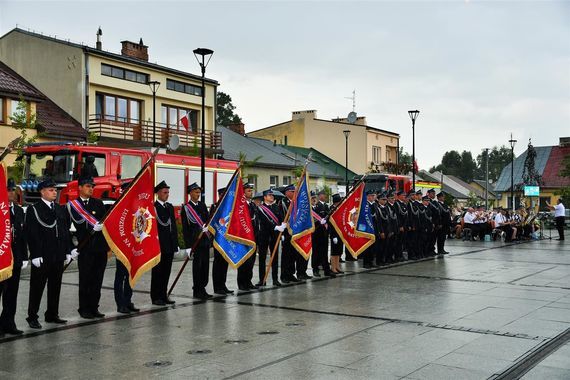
[111, 94]
[368, 147]
[50, 120]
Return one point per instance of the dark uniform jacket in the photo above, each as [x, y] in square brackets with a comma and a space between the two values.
[266, 223]
[47, 232]
[435, 212]
[402, 213]
[445, 214]
[382, 219]
[191, 229]
[19, 249]
[284, 207]
[393, 218]
[323, 210]
[97, 242]
[426, 218]
[414, 215]
[167, 232]
[253, 213]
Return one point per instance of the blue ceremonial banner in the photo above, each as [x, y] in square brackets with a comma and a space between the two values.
[231, 225]
[365, 221]
[301, 223]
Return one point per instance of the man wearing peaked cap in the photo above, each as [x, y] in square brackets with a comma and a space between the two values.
[401, 241]
[288, 253]
[270, 224]
[445, 223]
[289, 188]
[193, 187]
[245, 271]
[436, 220]
[320, 256]
[335, 240]
[168, 239]
[267, 192]
[220, 265]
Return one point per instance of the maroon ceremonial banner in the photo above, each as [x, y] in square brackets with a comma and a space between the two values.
[6, 258]
[130, 228]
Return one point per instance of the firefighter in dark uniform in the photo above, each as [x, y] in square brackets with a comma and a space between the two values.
[402, 215]
[93, 258]
[436, 220]
[414, 225]
[245, 271]
[426, 227]
[321, 237]
[220, 265]
[270, 224]
[382, 229]
[336, 242]
[194, 215]
[168, 238]
[445, 219]
[394, 228]
[9, 288]
[47, 230]
[303, 264]
[288, 253]
[370, 253]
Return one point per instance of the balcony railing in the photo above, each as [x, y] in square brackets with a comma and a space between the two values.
[121, 129]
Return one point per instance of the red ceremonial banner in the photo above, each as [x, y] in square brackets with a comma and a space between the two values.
[240, 228]
[6, 258]
[345, 218]
[131, 230]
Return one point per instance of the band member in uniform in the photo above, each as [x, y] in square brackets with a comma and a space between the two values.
[436, 220]
[414, 245]
[194, 218]
[245, 271]
[270, 224]
[426, 227]
[288, 253]
[370, 253]
[393, 222]
[336, 242]
[220, 265]
[47, 230]
[9, 288]
[85, 213]
[402, 215]
[320, 237]
[168, 238]
[445, 220]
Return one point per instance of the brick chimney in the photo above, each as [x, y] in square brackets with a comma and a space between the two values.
[237, 128]
[134, 50]
[307, 114]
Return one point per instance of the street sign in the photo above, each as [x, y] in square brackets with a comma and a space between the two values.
[531, 191]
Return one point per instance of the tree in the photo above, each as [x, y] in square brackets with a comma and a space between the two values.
[499, 157]
[225, 110]
[450, 163]
[468, 167]
[23, 120]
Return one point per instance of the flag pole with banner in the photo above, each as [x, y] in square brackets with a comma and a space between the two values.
[301, 223]
[231, 225]
[352, 219]
[6, 256]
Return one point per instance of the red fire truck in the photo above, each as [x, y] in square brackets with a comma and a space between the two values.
[384, 181]
[110, 167]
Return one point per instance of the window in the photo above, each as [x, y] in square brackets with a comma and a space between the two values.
[94, 166]
[1, 109]
[376, 154]
[286, 180]
[285, 140]
[252, 179]
[115, 108]
[171, 116]
[13, 108]
[130, 165]
[118, 72]
[187, 88]
[273, 181]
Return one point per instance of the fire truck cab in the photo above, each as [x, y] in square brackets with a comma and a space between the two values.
[110, 167]
[390, 182]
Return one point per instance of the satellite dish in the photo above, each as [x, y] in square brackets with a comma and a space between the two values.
[351, 117]
[173, 142]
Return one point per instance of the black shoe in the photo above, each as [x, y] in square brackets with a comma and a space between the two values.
[316, 273]
[251, 286]
[132, 308]
[202, 295]
[98, 314]
[243, 288]
[159, 302]
[86, 315]
[443, 253]
[227, 291]
[260, 284]
[124, 310]
[13, 331]
[276, 283]
[57, 320]
[170, 302]
[368, 266]
[34, 324]
[221, 292]
[341, 260]
[330, 274]
[285, 280]
[295, 279]
[560, 239]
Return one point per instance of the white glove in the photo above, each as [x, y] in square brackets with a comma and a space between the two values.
[205, 229]
[323, 221]
[74, 253]
[98, 227]
[189, 252]
[37, 262]
[25, 264]
[282, 237]
[281, 228]
[67, 259]
[335, 240]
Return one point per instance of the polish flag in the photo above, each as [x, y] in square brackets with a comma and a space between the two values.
[185, 121]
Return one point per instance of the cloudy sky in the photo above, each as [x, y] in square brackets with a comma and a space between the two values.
[477, 71]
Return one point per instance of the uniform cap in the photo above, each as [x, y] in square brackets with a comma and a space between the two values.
[47, 183]
[193, 186]
[160, 186]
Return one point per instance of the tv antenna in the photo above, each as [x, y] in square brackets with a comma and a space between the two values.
[352, 115]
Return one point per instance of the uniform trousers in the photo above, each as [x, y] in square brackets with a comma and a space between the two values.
[266, 245]
[159, 277]
[91, 267]
[9, 292]
[49, 272]
[219, 271]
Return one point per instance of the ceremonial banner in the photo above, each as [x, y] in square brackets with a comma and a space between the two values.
[130, 227]
[353, 221]
[6, 258]
[301, 224]
[231, 225]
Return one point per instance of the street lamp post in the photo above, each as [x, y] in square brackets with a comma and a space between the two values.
[154, 85]
[486, 178]
[346, 134]
[414, 115]
[512, 142]
[203, 53]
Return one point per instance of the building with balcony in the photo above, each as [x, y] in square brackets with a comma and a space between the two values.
[368, 147]
[52, 123]
[109, 93]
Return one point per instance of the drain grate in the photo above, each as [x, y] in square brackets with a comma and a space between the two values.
[268, 332]
[236, 341]
[199, 352]
[295, 324]
[157, 364]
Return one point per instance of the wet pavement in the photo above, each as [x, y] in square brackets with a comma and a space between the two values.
[485, 311]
